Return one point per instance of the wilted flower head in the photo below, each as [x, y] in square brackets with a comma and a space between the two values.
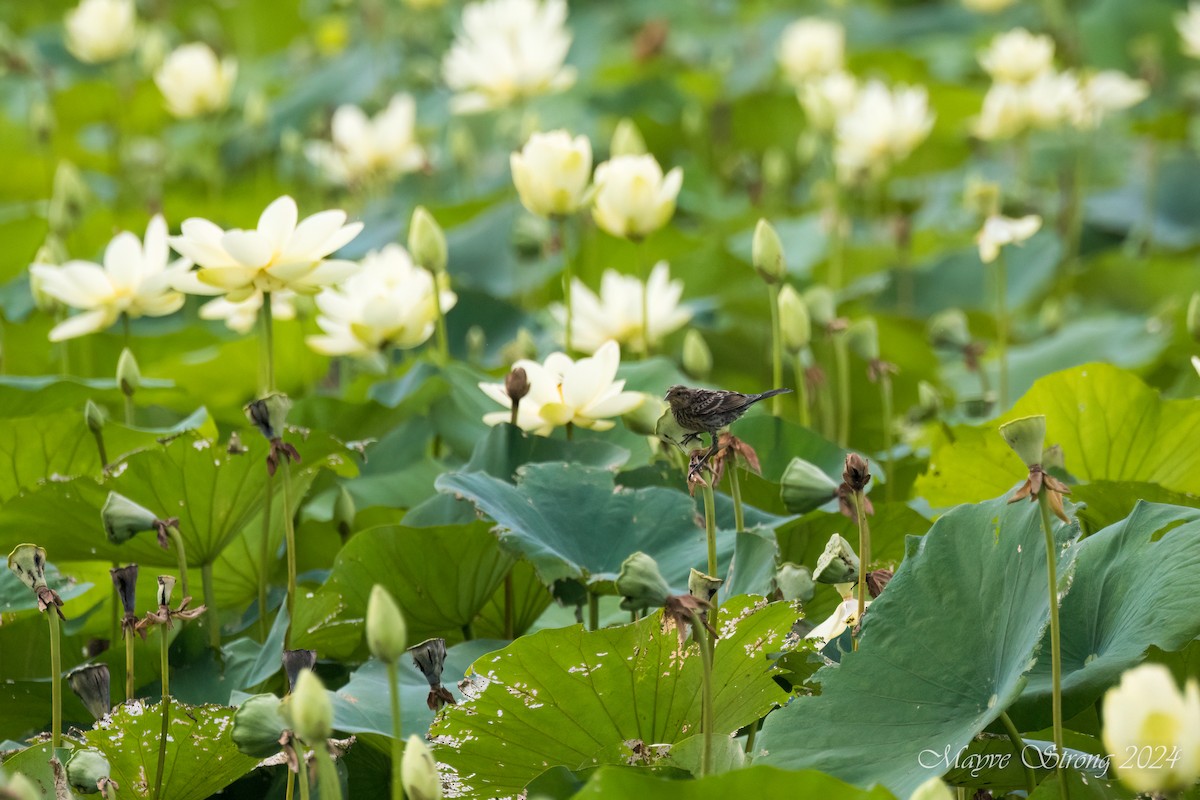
[1027, 437]
[125, 582]
[1188, 25]
[389, 303]
[194, 81]
[883, 127]
[101, 30]
[1017, 56]
[551, 172]
[640, 584]
[164, 614]
[633, 198]
[857, 473]
[242, 315]
[826, 98]
[584, 393]
[296, 660]
[999, 231]
[430, 657]
[1146, 712]
[135, 279]
[616, 313]
[279, 254]
[363, 147]
[810, 48]
[28, 563]
[269, 415]
[508, 50]
[91, 682]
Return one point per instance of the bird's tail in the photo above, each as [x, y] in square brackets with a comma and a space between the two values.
[771, 393]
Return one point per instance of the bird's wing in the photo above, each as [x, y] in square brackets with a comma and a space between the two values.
[708, 402]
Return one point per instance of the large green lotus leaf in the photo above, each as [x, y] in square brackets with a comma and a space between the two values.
[22, 396]
[201, 758]
[441, 577]
[1110, 424]
[1132, 590]
[571, 521]
[572, 697]
[943, 651]
[530, 598]
[1104, 503]
[757, 781]
[34, 763]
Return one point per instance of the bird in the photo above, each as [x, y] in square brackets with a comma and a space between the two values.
[699, 411]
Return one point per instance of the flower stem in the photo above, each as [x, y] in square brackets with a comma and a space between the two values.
[268, 343]
[864, 556]
[289, 531]
[560, 223]
[735, 490]
[264, 554]
[210, 602]
[99, 437]
[443, 339]
[1001, 289]
[397, 740]
[55, 680]
[302, 777]
[1019, 743]
[710, 532]
[842, 356]
[1055, 643]
[885, 390]
[706, 699]
[593, 611]
[509, 623]
[115, 626]
[836, 243]
[776, 349]
[130, 675]
[328, 785]
[645, 270]
[129, 410]
[166, 711]
[801, 389]
[181, 558]
[291, 785]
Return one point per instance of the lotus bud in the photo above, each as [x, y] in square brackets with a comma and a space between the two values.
[19, 787]
[88, 772]
[643, 420]
[166, 585]
[427, 241]
[805, 486]
[295, 661]
[269, 414]
[129, 377]
[697, 358]
[863, 339]
[258, 725]
[28, 563]
[125, 581]
[703, 587]
[822, 307]
[794, 321]
[516, 384]
[476, 344]
[857, 472]
[418, 771]
[640, 584]
[90, 683]
[386, 633]
[838, 564]
[1027, 437]
[767, 253]
[344, 512]
[949, 329]
[669, 430]
[310, 708]
[124, 518]
[93, 416]
[776, 168]
[627, 139]
[1193, 317]
[795, 582]
[932, 789]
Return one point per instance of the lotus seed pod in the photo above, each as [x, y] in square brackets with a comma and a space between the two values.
[123, 518]
[1193, 317]
[294, 661]
[643, 420]
[87, 770]
[949, 329]
[1054, 458]
[767, 253]
[794, 321]
[427, 241]
[258, 725]
[166, 585]
[701, 586]
[822, 306]
[697, 357]
[669, 430]
[310, 708]
[805, 486]
[418, 771]
[1027, 437]
[125, 581]
[640, 584]
[93, 416]
[90, 683]
[28, 562]
[269, 414]
[838, 564]
[627, 139]
[129, 377]
[863, 339]
[795, 582]
[386, 633]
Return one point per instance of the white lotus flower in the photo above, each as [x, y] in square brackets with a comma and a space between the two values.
[810, 48]
[1147, 714]
[1111, 90]
[583, 393]
[1188, 25]
[632, 197]
[999, 231]
[826, 98]
[101, 30]
[884, 126]
[617, 312]
[1018, 56]
[242, 316]
[843, 617]
[1005, 112]
[193, 81]
[279, 254]
[136, 279]
[551, 173]
[1055, 99]
[508, 50]
[364, 146]
[389, 302]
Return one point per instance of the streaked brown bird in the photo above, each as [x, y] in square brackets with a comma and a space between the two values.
[700, 411]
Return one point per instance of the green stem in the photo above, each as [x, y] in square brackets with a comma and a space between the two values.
[836, 242]
[302, 777]
[129, 410]
[166, 711]
[864, 556]
[115, 622]
[509, 624]
[291, 785]
[328, 785]
[645, 275]
[125, 331]
[268, 343]
[568, 277]
[1019, 743]
[443, 339]
[801, 388]
[710, 533]
[181, 559]
[468, 632]
[210, 602]
[264, 554]
[130, 675]
[593, 611]
[1001, 290]
[706, 701]
[842, 356]
[397, 740]
[55, 680]
[1055, 643]
[735, 490]
[99, 437]
[289, 531]
[776, 349]
[885, 390]
[750, 736]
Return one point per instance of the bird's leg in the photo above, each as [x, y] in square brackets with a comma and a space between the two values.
[709, 453]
